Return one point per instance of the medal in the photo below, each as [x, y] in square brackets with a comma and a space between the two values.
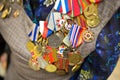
[50, 68]
[16, 13]
[4, 13]
[93, 22]
[1, 6]
[50, 55]
[54, 41]
[34, 64]
[30, 46]
[90, 10]
[88, 36]
[74, 58]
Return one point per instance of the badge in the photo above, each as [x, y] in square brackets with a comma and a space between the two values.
[1, 6]
[50, 68]
[61, 72]
[34, 64]
[88, 36]
[61, 49]
[54, 41]
[16, 13]
[74, 58]
[93, 22]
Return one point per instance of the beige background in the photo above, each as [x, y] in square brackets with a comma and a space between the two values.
[116, 73]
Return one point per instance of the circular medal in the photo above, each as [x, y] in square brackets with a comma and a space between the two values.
[88, 36]
[54, 41]
[4, 13]
[1, 6]
[16, 13]
[61, 72]
[74, 58]
[93, 22]
[30, 46]
[51, 68]
[34, 64]
[90, 10]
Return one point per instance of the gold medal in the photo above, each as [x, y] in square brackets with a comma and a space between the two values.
[4, 13]
[1, 6]
[88, 36]
[30, 46]
[74, 58]
[16, 13]
[75, 68]
[61, 72]
[93, 22]
[51, 68]
[90, 10]
[34, 64]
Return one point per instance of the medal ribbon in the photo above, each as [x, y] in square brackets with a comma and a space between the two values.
[75, 9]
[45, 32]
[34, 33]
[62, 6]
[75, 35]
[83, 4]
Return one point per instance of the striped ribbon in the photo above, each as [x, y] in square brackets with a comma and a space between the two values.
[75, 8]
[83, 4]
[62, 6]
[75, 35]
[34, 33]
[45, 32]
[82, 21]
